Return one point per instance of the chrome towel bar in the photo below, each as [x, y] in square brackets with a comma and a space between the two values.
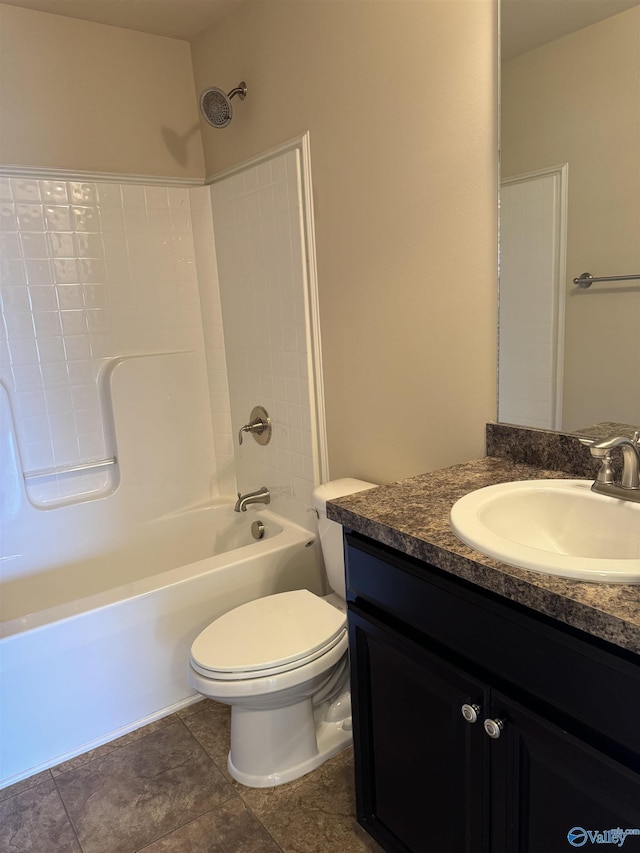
[586, 279]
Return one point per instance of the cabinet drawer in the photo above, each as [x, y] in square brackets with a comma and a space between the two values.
[580, 681]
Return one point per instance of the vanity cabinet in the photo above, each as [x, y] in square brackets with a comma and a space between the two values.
[480, 726]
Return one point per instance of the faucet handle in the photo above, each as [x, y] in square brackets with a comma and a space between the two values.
[259, 426]
[598, 449]
[245, 428]
[605, 471]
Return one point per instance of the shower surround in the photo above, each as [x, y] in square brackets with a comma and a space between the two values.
[119, 404]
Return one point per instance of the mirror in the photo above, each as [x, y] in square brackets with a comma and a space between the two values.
[569, 357]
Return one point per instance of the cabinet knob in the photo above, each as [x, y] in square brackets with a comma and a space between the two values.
[470, 712]
[493, 728]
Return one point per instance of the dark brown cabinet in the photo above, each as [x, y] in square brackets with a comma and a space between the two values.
[470, 732]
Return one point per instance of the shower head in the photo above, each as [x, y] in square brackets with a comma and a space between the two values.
[215, 106]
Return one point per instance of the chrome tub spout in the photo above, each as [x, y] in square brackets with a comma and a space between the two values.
[262, 496]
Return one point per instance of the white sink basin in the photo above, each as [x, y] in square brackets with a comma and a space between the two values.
[559, 527]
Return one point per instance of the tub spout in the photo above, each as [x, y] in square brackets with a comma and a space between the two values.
[262, 496]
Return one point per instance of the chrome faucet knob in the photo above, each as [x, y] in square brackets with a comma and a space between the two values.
[255, 427]
[605, 472]
[259, 426]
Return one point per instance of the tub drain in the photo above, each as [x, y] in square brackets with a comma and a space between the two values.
[257, 530]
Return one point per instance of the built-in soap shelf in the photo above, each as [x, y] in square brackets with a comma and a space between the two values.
[145, 401]
[69, 469]
[72, 481]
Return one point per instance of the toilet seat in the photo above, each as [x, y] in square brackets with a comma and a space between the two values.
[268, 636]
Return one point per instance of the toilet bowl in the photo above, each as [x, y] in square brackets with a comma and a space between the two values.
[281, 662]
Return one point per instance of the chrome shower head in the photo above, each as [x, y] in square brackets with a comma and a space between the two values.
[215, 105]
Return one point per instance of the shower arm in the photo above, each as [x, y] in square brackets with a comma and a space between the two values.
[240, 91]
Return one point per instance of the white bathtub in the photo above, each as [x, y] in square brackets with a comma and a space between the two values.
[94, 649]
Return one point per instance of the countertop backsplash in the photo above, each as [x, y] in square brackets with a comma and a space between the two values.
[552, 450]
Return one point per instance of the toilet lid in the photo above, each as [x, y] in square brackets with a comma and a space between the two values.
[275, 633]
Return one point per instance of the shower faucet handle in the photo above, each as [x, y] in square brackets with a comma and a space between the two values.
[255, 427]
[259, 426]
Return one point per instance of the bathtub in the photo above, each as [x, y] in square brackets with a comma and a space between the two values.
[93, 649]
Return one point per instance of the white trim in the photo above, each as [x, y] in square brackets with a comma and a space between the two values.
[537, 173]
[563, 191]
[297, 142]
[316, 376]
[561, 175]
[44, 173]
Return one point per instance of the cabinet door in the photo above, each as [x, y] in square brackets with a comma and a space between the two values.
[552, 792]
[422, 784]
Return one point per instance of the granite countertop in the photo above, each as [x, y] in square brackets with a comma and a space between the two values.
[412, 516]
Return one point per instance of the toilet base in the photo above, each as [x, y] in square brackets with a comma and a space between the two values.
[331, 739]
[271, 747]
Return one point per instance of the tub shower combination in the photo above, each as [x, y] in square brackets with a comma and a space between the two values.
[81, 671]
[113, 554]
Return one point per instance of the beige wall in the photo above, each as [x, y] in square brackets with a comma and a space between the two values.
[88, 97]
[399, 96]
[400, 101]
[577, 100]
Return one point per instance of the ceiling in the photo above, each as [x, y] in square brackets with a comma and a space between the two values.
[525, 24]
[181, 19]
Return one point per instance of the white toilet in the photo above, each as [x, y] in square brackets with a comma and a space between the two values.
[281, 663]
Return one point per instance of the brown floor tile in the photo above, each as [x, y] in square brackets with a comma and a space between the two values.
[314, 814]
[106, 748]
[265, 800]
[35, 821]
[229, 828]
[212, 729]
[162, 789]
[24, 785]
[136, 794]
[195, 708]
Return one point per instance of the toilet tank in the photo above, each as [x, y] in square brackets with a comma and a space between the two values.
[330, 532]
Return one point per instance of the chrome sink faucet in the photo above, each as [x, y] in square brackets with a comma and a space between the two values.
[628, 487]
[262, 496]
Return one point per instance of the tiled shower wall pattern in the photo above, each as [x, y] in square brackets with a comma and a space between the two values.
[261, 257]
[89, 272]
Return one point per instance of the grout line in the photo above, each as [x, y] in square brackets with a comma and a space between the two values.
[64, 806]
[186, 823]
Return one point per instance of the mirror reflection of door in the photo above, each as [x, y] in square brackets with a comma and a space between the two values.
[531, 311]
[569, 90]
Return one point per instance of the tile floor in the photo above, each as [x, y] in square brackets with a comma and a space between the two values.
[165, 789]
